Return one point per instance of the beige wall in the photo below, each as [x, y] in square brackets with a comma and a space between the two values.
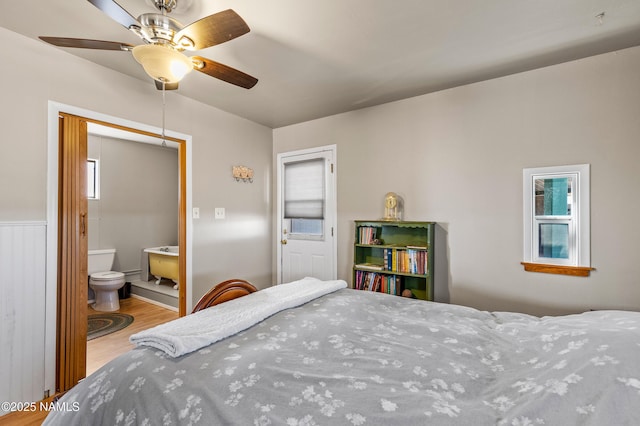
[35, 73]
[457, 156]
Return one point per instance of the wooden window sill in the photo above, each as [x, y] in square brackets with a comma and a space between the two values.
[576, 271]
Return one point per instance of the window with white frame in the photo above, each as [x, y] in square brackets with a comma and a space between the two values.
[93, 179]
[556, 215]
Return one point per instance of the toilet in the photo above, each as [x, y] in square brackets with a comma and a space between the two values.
[104, 282]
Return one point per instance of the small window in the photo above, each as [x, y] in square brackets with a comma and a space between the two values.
[93, 179]
[304, 189]
[304, 199]
[556, 215]
[307, 226]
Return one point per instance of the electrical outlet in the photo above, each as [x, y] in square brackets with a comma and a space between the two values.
[196, 213]
[219, 213]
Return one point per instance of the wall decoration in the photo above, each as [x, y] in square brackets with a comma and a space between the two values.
[242, 174]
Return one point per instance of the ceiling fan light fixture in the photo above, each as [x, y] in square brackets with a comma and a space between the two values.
[166, 38]
[162, 63]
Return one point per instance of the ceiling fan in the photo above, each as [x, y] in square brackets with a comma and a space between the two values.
[165, 39]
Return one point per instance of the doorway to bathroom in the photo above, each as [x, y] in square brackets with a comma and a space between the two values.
[70, 213]
[132, 198]
[132, 187]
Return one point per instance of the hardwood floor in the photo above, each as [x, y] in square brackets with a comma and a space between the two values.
[105, 348]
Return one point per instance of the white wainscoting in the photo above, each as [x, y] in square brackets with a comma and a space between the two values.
[23, 248]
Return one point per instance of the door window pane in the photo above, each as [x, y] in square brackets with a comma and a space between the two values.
[306, 226]
[554, 240]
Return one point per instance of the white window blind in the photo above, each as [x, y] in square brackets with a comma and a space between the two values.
[304, 189]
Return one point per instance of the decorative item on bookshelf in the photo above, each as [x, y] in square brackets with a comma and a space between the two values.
[407, 293]
[393, 206]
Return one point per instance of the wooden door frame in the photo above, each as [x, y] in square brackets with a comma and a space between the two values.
[72, 357]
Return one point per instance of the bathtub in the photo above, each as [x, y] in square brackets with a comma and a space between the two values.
[163, 263]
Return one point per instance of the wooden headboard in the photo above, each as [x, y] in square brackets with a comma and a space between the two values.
[223, 292]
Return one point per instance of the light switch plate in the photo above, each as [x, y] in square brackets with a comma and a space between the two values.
[219, 213]
[196, 213]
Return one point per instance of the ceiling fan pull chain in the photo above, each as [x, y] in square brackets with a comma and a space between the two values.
[164, 142]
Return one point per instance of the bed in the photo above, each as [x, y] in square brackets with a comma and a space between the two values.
[323, 354]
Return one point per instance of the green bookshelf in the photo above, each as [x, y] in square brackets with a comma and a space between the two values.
[390, 257]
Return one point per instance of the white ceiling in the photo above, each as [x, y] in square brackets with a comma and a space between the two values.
[318, 58]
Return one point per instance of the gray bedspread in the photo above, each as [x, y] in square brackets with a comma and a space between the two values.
[362, 358]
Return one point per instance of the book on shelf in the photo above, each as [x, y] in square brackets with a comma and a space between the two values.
[371, 266]
[366, 234]
[374, 281]
[407, 260]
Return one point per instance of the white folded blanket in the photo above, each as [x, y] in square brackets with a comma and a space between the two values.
[195, 331]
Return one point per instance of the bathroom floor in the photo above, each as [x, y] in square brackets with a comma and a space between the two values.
[105, 348]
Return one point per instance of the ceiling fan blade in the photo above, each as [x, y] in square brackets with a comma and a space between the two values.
[86, 43]
[223, 72]
[211, 30]
[167, 86]
[116, 12]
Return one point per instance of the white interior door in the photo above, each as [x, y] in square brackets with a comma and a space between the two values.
[306, 215]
